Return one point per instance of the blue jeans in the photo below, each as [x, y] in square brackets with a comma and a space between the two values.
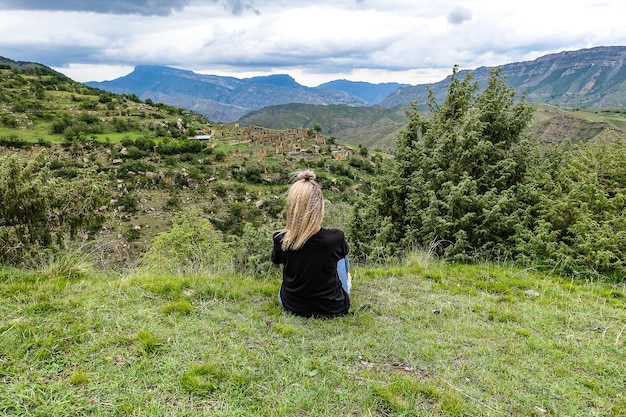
[343, 268]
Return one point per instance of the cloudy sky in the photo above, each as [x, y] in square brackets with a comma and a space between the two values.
[407, 41]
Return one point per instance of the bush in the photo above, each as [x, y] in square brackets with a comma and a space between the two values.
[192, 245]
[252, 173]
[135, 166]
[61, 123]
[575, 218]
[129, 203]
[8, 120]
[180, 146]
[40, 211]
[253, 250]
[145, 144]
[134, 152]
[119, 125]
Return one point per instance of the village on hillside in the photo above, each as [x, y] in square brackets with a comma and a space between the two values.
[297, 142]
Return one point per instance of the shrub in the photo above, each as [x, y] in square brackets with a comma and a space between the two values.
[172, 202]
[192, 245]
[180, 146]
[135, 166]
[145, 144]
[455, 176]
[251, 173]
[41, 211]
[134, 152]
[8, 120]
[61, 123]
[575, 218]
[253, 250]
[129, 203]
[119, 125]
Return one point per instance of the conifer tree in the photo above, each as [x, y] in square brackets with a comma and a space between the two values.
[455, 176]
[40, 211]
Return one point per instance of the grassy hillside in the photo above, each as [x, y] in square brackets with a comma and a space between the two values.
[375, 127]
[423, 339]
[553, 124]
[155, 168]
[40, 105]
[239, 178]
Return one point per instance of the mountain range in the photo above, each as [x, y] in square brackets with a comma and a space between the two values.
[226, 99]
[587, 78]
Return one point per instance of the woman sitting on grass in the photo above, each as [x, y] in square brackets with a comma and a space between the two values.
[316, 282]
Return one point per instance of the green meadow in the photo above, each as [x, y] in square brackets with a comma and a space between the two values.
[423, 338]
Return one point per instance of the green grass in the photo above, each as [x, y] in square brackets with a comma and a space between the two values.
[422, 339]
[616, 118]
[118, 137]
[41, 132]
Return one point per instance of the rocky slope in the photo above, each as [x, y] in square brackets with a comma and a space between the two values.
[588, 78]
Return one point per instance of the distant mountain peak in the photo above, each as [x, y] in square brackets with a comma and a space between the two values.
[160, 69]
[368, 92]
[281, 80]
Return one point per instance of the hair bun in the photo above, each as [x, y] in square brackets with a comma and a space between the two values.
[306, 175]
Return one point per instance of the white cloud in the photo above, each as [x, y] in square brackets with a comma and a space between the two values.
[407, 41]
[89, 72]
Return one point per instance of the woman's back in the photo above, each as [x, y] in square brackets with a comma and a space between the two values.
[311, 285]
[309, 254]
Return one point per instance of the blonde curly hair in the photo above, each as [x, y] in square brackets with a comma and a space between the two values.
[304, 211]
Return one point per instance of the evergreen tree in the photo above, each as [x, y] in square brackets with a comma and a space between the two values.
[575, 219]
[455, 176]
[40, 211]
